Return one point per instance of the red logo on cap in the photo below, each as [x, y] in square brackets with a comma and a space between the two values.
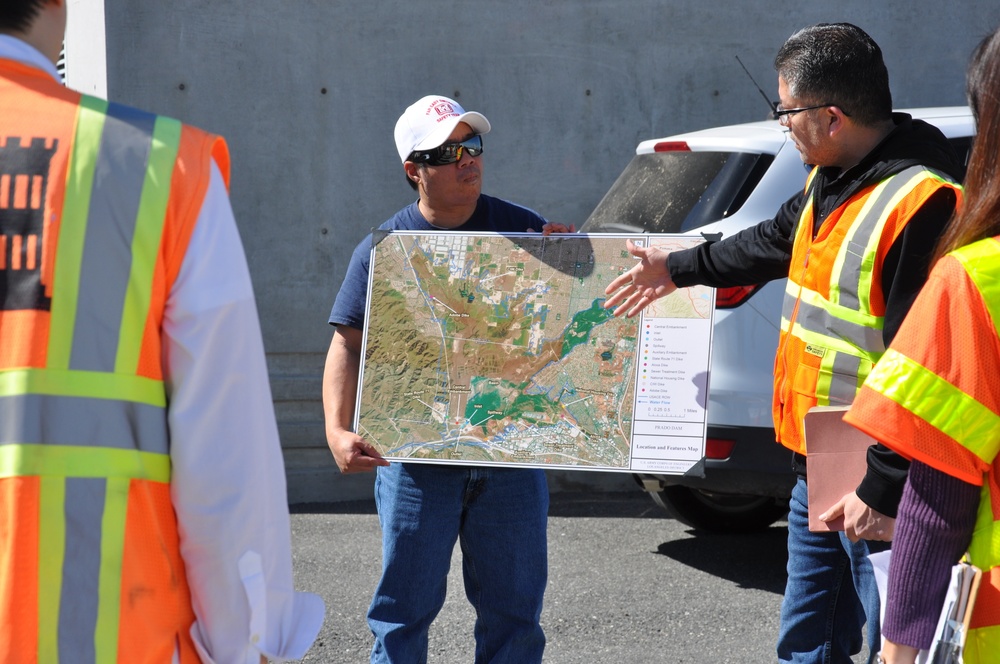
[442, 108]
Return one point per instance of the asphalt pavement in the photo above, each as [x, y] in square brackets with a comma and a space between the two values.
[626, 584]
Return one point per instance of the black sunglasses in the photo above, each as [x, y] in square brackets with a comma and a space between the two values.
[449, 153]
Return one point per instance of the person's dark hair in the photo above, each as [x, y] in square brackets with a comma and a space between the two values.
[17, 15]
[838, 64]
[978, 216]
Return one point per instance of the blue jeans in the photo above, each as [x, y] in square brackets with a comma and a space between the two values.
[498, 515]
[830, 593]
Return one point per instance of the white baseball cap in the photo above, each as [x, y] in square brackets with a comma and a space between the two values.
[428, 123]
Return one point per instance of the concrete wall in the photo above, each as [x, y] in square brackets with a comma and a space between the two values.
[307, 93]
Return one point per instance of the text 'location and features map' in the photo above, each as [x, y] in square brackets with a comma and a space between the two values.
[496, 349]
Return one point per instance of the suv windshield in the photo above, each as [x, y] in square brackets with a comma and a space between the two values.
[677, 192]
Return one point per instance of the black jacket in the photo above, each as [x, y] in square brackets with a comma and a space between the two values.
[763, 252]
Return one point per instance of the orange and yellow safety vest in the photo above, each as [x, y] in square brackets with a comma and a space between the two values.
[935, 396]
[97, 205]
[834, 307]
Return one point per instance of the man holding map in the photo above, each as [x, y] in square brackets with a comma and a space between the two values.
[854, 247]
[497, 514]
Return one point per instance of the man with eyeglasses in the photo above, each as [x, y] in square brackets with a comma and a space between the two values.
[497, 514]
[854, 246]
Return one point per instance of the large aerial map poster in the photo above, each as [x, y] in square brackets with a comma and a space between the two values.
[496, 349]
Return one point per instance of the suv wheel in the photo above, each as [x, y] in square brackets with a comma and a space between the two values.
[721, 513]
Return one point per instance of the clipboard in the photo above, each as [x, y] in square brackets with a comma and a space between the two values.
[836, 462]
[956, 613]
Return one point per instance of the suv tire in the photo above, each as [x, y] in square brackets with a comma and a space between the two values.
[720, 513]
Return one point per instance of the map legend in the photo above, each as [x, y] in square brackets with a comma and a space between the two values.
[671, 393]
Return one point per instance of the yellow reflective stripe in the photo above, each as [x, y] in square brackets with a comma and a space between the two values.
[806, 222]
[812, 174]
[806, 213]
[981, 261]
[146, 242]
[946, 180]
[818, 339]
[109, 586]
[823, 388]
[51, 551]
[73, 228]
[83, 384]
[69, 461]
[984, 549]
[971, 254]
[938, 402]
[824, 377]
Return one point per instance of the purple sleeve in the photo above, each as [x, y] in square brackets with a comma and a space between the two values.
[936, 518]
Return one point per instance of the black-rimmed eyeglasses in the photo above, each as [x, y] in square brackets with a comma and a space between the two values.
[449, 153]
[784, 115]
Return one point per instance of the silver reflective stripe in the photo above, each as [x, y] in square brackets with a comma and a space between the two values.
[819, 320]
[107, 254]
[858, 250]
[78, 604]
[82, 421]
[844, 382]
[788, 305]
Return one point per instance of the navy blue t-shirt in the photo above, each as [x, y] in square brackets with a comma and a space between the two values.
[492, 215]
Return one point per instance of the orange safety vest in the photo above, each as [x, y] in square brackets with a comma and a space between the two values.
[834, 308]
[935, 396]
[97, 205]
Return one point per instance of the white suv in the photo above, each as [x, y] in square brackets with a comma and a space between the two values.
[717, 182]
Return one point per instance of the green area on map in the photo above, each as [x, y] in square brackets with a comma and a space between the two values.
[490, 348]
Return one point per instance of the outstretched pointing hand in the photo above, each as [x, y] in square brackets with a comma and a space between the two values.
[647, 281]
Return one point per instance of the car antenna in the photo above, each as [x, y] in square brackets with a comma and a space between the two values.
[770, 104]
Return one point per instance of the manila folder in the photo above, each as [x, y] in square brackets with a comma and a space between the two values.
[836, 462]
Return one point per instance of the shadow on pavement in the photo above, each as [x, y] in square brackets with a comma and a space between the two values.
[340, 507]
[629, 505]
[755, 560]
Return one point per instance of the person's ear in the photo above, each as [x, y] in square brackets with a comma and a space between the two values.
[412, 171]
[836, 119]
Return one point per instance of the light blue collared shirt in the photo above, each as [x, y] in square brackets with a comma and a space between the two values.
[13, 48]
